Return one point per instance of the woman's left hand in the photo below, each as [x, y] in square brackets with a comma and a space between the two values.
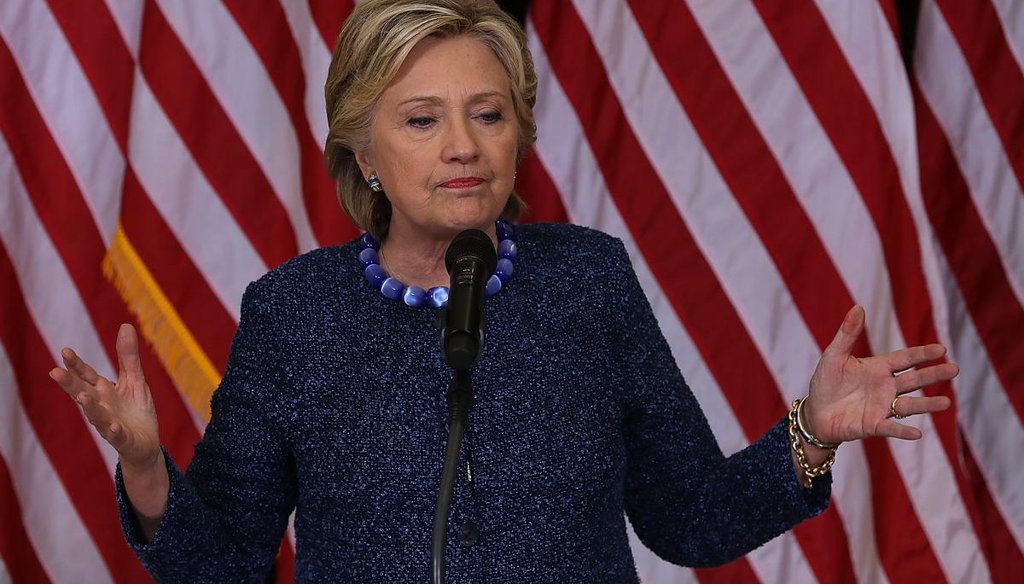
[852, 398]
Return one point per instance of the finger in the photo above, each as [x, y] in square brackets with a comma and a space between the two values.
[911, 406]
[71, 384]
[894, 429]
[913, 356]
[76, 366]
[127, 347]
[97, 415]
[846, 337]
[918, 378]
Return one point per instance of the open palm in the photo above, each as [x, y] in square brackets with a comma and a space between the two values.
[122, 412]
[852, 398]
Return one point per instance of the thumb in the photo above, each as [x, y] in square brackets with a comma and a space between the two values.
[128, 351]
[849, 331]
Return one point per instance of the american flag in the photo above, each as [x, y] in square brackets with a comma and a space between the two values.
[768, 164]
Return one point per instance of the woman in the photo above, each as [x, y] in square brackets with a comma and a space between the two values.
[333, 400]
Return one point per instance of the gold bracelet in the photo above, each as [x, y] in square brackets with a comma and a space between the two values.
[804, 433]
[810, 472]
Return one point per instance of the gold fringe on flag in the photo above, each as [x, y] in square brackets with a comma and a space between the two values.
[185, 361]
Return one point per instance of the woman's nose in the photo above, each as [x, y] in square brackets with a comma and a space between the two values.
[462, 144]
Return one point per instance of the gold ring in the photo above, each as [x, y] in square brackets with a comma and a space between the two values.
[892, 408]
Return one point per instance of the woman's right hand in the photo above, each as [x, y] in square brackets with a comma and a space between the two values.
[122, 412]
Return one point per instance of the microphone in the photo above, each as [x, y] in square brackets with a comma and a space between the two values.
[470, 261]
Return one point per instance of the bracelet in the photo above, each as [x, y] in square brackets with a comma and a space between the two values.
[807, 436]
[810, 472]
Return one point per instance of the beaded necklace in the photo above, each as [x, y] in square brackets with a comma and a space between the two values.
[436, 297]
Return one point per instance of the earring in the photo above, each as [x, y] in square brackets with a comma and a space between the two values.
[374, 183]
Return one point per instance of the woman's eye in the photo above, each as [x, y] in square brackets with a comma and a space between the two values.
[490, 117]
[421, 122]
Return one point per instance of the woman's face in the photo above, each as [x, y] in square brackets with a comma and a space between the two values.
[443, 139]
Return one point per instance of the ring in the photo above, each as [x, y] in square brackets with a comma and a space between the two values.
[892, 408]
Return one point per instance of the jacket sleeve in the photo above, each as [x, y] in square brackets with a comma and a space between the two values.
[225, 517]
[687, 502]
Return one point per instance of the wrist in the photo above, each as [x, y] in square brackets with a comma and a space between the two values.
[140, 466]
[807, 434]
[811, 457]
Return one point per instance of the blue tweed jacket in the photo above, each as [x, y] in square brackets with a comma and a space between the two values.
[333, 404]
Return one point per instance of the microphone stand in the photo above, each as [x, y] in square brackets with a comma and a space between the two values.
[460, 399]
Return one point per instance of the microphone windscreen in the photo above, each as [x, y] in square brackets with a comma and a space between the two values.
[472, 243]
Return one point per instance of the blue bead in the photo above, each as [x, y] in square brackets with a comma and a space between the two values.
[414, 296]
[392, 288]
[504, 270]
[375, 275]
[504, 230]
[507, 249]
[370, 241]
[368, 256]
[437, 297]
[493, 285]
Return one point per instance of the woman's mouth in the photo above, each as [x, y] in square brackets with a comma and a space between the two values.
[462, 183]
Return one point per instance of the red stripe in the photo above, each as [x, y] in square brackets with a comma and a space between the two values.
[265, 25]
[1005, 560]
[889, 9]
[105, 59]
[991, 303]
[63, 435]
[846, 114]
[284, 566]
[972, 255]
[752, 174]
[656, 226]
[538, 191]
[68, 222]
[329, 16]
[213, 141]
[15, 548]
[178, 278]
[169, 264]
[997, 75]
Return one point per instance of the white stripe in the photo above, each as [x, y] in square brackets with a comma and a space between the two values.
[5, 576]
[64, 547]
[127, 15]
[827, 193]
[316, 58]
[948, 87]
[50, 293]
[878, 65]
[720, 228]
[228, 62]
[1011, 18]
[562, 148]
[986, 415]
[194, 212]
[55, 81]
[708, 223]
[862, 32]
[808, 160]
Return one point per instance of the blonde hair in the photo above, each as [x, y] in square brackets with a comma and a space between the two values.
[372, 45]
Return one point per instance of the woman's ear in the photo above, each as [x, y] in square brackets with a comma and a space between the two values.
[365, 162]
